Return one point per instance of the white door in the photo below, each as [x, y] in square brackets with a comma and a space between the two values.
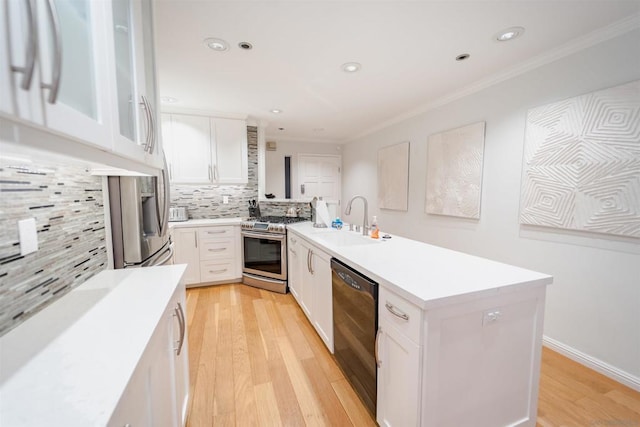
[319, 176]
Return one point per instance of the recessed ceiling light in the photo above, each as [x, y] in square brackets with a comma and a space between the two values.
[509, 34]
[351, 67]
[168, 99]
[245, 45]
[280, 128]
[462, 57]
[276, 111]
[216, 44]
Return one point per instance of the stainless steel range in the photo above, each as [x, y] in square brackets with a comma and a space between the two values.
[264, 252]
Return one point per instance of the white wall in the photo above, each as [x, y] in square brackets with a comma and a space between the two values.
[274, 163]
[594, 304]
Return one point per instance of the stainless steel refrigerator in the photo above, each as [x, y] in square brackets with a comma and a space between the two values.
[139, 220]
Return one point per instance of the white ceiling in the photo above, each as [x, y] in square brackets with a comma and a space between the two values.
[406, 48]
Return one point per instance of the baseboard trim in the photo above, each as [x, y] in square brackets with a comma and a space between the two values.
[593, 363]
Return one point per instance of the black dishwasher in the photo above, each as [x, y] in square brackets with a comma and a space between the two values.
[355, 322]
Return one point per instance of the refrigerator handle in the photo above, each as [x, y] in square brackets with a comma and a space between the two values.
[167, 194]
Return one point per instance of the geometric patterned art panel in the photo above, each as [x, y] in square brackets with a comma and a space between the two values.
[454, 172]
[582, 163]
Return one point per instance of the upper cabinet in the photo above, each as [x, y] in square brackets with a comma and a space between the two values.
[58, 71]
[135, 109]
[82, 71]
[205, 150]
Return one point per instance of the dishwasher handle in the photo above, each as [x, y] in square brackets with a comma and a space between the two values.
[353, 279]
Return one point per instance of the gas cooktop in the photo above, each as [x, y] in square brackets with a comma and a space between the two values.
[270, 224]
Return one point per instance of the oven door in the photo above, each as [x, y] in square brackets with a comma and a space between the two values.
[264, 254]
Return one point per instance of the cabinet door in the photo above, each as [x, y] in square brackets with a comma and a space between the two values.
[322, 317]
[398, 378]
[130, 109]
[294, 263]
[306, 279]
[74, 68]
[230, 157]
[186, 251]
[190, 152]
[180, 353]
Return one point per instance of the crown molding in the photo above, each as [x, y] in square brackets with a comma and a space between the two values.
[593, 38]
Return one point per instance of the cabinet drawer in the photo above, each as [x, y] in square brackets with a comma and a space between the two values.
[212, 271]
[215, 232]
[217, 249]
[397, 311]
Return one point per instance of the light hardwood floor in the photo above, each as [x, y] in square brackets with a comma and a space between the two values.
[255, 360]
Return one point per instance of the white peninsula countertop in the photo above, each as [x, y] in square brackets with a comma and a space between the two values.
[69, 364]
[424, 274]
[205, 222]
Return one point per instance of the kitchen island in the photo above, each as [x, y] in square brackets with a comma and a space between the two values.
[459, 337]
[111, 352]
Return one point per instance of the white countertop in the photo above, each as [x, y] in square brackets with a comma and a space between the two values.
[424, 274]
[205, 222]
[69, 364]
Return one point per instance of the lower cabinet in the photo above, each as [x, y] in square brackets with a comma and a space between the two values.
[399, 362]
[310, 271]
[158, 391]
[212, 253]
[463, 363]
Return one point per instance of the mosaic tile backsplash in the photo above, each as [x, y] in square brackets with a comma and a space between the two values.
[67, 204]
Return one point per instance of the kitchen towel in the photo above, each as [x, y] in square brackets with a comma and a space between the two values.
[322, 213]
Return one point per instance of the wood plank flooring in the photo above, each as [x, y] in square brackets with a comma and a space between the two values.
[255, 360]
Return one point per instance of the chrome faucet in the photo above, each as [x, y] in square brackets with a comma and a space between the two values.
[365, 221]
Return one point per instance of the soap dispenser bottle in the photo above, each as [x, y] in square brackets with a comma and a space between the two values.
[375, 233]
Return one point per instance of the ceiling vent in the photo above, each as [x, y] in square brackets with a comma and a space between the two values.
[271, 146]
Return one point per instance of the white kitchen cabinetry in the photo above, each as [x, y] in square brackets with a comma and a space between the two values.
[294, 266]
[205, 150]
[315, 295]
[188, 148]
[157, 393]
[58, 55]
[212, 254]
[186, 251]
[399, 325]
[481, 362]
[135, 110]
[75, 74]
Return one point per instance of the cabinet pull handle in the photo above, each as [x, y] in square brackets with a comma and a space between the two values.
[145, 106]
[218, 249]
[398, 313]
[183, 327]
[375, 348]
[217, 271]
[309, 260]
[152, 122]
[30, 54]
[311, 270]
[217, 232]
[195, 238]
[209, 173]
[215, 172]
[56, 68]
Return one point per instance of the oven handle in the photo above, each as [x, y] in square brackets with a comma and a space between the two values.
[270, 236]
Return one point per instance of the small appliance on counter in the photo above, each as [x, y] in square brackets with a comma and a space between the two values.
[178, 213]
[254, 209]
